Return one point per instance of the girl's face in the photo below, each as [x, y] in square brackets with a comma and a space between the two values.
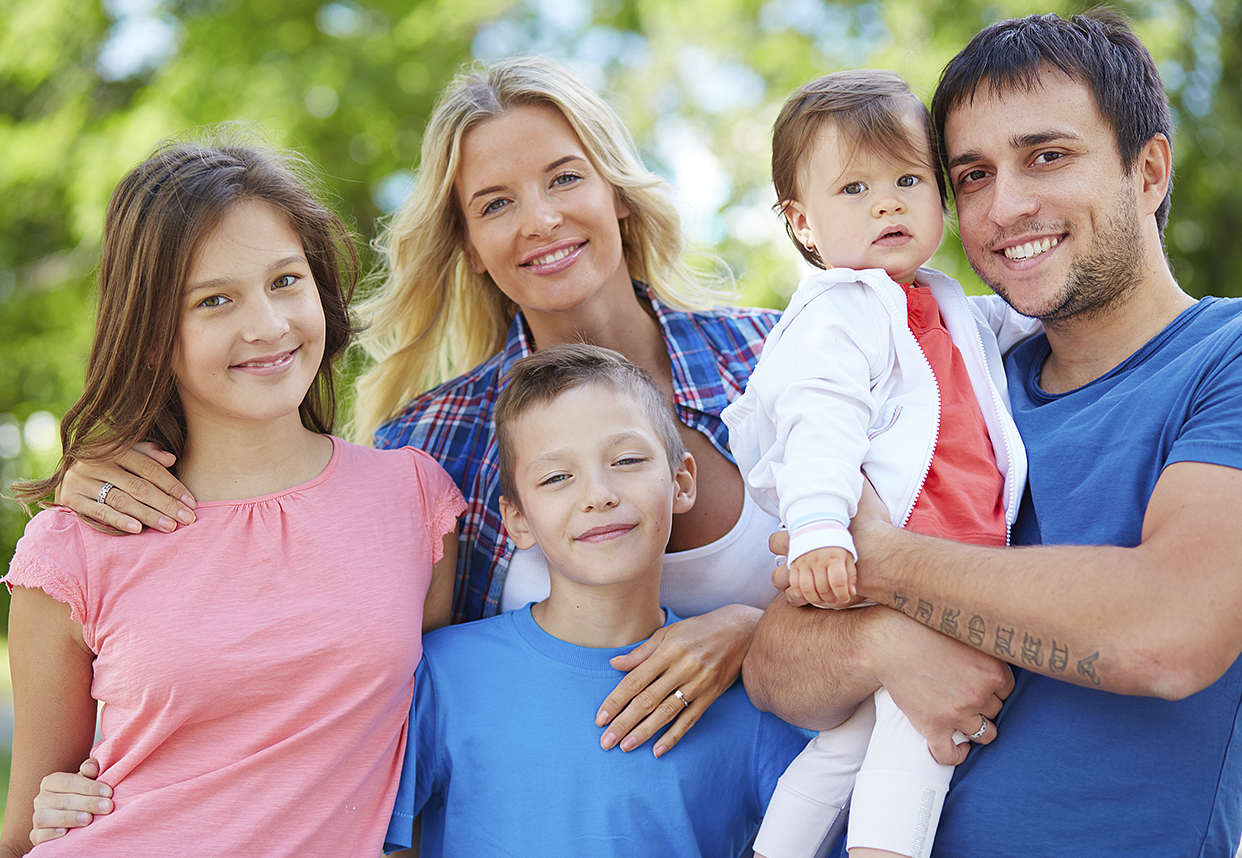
[251, 336]
[540, 219]
[860, 209]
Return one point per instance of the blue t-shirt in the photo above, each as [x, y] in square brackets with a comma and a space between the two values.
[503, 757]
[1076, 771]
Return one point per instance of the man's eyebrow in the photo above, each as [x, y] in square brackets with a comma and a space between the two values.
[1018, 141]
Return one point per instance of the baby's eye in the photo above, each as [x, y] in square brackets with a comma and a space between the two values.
[854, 188]
[213, 301]
[907, 181]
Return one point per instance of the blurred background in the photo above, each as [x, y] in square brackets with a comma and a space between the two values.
[86, 89]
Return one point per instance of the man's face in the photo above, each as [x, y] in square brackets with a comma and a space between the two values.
[1048, 215]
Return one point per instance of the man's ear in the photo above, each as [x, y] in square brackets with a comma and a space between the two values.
[684, 486]
[516, 524]
[1154, 165]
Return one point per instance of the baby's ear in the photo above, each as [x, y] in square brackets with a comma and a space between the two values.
[684, 485]
[516, 524]
[799, 224]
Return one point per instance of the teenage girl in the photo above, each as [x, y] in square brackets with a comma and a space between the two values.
[257, 672]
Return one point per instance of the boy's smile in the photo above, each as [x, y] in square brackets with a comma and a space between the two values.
[597, 492]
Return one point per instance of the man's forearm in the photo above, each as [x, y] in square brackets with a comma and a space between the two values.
[807, 665]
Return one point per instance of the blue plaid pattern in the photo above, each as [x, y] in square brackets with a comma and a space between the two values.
[713, 353]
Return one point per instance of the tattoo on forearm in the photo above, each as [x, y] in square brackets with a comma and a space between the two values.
[1007, 642]
[976, 630]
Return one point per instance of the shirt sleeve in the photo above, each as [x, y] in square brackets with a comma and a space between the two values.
[441, 499]
[420, 770]
[51, 557]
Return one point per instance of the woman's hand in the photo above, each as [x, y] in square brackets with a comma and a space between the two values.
[143, 491]
[700, 657]
[69, 801]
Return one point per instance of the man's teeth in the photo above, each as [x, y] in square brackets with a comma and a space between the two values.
[1031, 248]
[553, 257]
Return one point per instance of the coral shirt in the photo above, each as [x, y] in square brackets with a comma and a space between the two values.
[255, 668]
[963, 495]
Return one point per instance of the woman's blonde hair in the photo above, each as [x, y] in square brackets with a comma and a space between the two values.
[432, 317]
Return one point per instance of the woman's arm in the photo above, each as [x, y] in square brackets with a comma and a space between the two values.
[699, 656]
[144, 492]
[54, 713]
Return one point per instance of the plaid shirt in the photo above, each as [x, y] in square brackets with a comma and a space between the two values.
[712, 354]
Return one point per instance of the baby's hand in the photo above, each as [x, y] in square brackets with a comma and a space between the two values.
[825, 578]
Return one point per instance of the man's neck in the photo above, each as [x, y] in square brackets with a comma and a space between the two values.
[1087, 347]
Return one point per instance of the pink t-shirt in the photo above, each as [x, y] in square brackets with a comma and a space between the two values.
[255, 668]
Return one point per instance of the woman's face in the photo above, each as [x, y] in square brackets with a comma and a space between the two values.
[540, 219]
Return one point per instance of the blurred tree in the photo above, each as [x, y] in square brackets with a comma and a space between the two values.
[87, 89]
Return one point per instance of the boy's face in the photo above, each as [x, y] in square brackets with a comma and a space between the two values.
[860, 210]
[598, 495]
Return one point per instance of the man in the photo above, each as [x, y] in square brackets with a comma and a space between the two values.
[1123, 733]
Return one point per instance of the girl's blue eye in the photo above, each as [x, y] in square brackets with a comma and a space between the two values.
[854, 188]
[907, 181]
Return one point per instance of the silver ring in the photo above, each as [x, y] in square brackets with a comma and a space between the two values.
[102, 497]
[682, 698]
[978, 734]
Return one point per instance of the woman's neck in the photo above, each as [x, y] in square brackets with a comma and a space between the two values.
[230, 461]
[624, 325]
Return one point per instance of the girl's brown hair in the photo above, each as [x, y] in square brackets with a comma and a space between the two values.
[870, 108]
[157, 217]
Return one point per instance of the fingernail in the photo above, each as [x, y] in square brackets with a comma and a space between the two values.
[602, 717]
[103, 806]
[629, 743]
[660, 749]
[105, 790]
[185, 516]
[188, 501]
[607, 740]
[133, 527]
[165, 524]
[84, 817]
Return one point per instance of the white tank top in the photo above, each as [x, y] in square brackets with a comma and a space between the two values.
[735, 569]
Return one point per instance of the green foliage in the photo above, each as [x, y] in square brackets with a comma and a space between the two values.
[350, 84]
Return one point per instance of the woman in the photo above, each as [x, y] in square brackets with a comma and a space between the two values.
[534, 222]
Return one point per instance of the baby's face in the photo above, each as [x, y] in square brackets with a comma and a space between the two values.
[861, 209]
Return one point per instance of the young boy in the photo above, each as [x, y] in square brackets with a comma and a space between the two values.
[500, 760]
[877, 367]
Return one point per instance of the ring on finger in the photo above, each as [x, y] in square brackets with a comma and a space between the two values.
[102, 497]
[978, 734]
[682, 698]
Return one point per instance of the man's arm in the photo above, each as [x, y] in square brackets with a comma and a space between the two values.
[1159, 619]
[812, 667]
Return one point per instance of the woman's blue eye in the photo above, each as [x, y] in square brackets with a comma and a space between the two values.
[854, 188]
[563, 179]
[494, 206]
